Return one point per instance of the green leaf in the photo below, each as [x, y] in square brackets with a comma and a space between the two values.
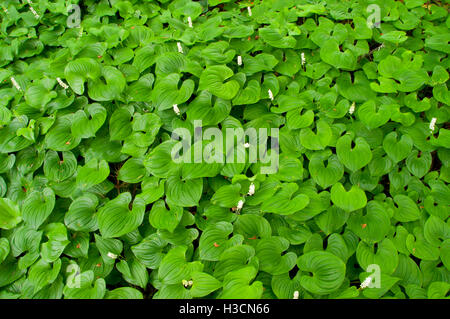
[274, 38]
[78, 71]
[331, 54]
[214, 240]
[374, 225]
[162, 218]
[184, 193]
[92, 173]
[252, 226]
[174, 268]
[372, 117]
[124, 293]
[57, 169]
[115, 85]
[81, 215]
[419, 164]
[269, 250]
[83, 286]
[328, 272]
[52, 249]
[213, 79]
[325, 176]
[407, 210]
[283, 202]
[117, 218]
[236, 284]
[354, 158]
[166, 93]
[394, 37]
[438, 290]
[150, 251]
[385, 256]
[4, 249]
[398, 151]
[37, 207]
[319, 140]
[10, 215]
[227, 196]
[203, 284]
[133, 171]
[82, 126]
[133, 272]
[349, 201]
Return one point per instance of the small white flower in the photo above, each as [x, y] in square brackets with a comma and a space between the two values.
[16, 85]
[270, 94]
[249, 11]
[296, 294]
[352, 108]
[176, 109]
[433, 124]
[111, 255]
[239, 60]
[190, 22]
[240, 205]
[303, 58]
[34, 12]
[246, 145]
[366, 283]
[64, 85]
[180, 49]
[251, 190]
[187, 283]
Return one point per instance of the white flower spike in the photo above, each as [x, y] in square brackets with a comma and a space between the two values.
[240, 205]
[64, 85]
[366, 283]
[176, 109]
[34, 12]
[303, 58]
[246, 145]
[433, 124]
[16, 85]
[180, 49]
[249, 11]
[239, 60]
[251, 190]
[270, 94]
[190, 22]
[296, 294]
[351, 110]
[111, 255]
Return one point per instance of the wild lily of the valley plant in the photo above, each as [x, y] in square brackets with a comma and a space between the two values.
[337, 186]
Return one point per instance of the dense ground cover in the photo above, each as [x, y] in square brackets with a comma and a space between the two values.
[353, 94]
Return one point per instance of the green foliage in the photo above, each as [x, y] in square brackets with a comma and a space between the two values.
[93, 206]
